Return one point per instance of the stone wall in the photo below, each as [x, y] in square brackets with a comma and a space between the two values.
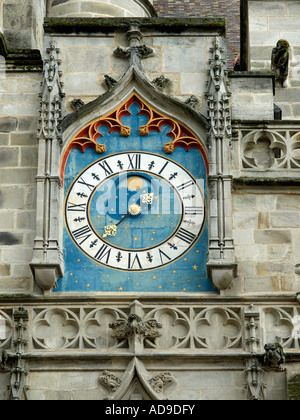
[252, 95]
[19, 105]
[23, 23]
[180, 58]
[206, 340]
[266, 225]
[228, 9]
[270, 21]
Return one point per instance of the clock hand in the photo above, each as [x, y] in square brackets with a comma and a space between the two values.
[111, 230]
[133, 210]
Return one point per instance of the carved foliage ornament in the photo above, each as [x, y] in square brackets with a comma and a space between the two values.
[135, 326]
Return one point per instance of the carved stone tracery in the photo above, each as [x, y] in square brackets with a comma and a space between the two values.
[90, 136]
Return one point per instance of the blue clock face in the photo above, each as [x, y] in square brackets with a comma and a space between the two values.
[135, 211]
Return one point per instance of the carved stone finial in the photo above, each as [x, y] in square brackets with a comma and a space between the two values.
[125, 131]
[136, 51]
[192, 101]
[161, 381]
[280, 62]
[77, 104]
[110, 381]
[274, 356]
[169, 148]
[162, 83]
[100, 148]
[110, 82]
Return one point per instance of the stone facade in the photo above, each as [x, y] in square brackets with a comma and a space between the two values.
[133, 345]
[269, 22]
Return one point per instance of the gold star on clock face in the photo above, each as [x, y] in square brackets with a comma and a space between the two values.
[195, 267]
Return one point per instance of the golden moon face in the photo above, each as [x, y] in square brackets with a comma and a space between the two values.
[134, 209]
[135, 183]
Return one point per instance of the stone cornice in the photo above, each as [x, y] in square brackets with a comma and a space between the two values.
[20, 59]
[106, 25]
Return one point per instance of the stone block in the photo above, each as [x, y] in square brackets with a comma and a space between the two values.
[19, 38]
[263, 220]
[9, 157]
[244, 202]
[267, 8]
[7, 220]
[76, 59]
[11, 198]
[8, 238]
[15, 284]
[269, 38]
[261, 53]
[77, 380]
[8, 124]
[243, 236]
[250, 252]
[204, 380]
[26, 139]
[290, 95]
[258, 23]
[193, 83]
[285, 219]
[25, 220]
[259, 284]
[92, 85]
[251, 84]
[17, 176]
[29, 156]
[268, 236]
[4, 139]
[266, 202]
[41, 380]
[183, 59]
[4, 270]
[28, 124]
[269, 268]
[280, 252]
[284, 23]
[292, 36]
[245, 220]
[21, 270]
[17, 254]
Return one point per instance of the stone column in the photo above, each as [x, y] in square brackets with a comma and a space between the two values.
[47, 263]
[221, 265]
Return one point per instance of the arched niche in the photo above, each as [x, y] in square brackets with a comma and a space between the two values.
[168, 123]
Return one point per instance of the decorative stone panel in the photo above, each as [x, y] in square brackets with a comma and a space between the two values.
[268, 151]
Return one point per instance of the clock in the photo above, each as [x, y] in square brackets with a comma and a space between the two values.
[134, 211]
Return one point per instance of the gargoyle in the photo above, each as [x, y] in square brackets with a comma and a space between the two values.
[280, 62]
[3, 359]
[274, 356]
